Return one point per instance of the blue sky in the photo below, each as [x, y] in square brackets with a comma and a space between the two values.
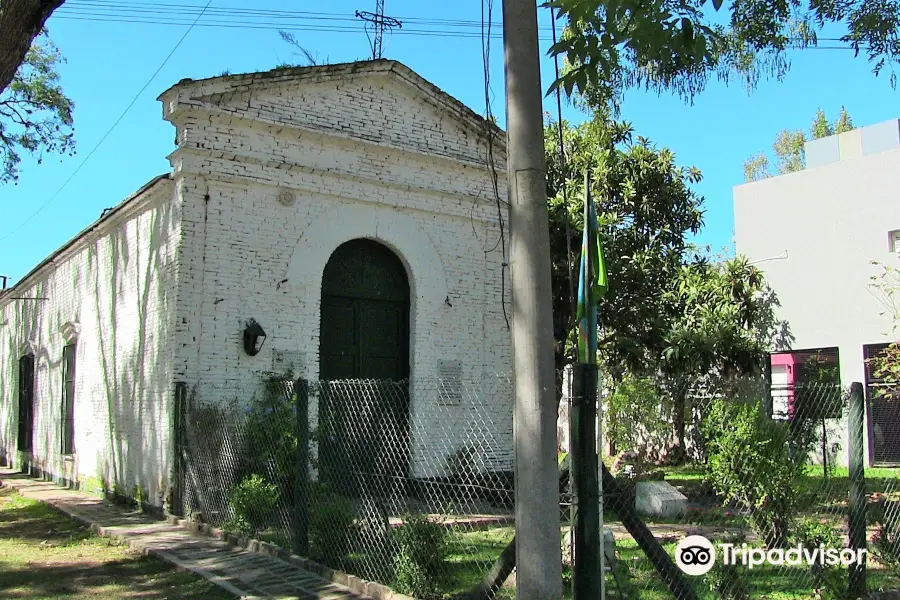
[108, 62]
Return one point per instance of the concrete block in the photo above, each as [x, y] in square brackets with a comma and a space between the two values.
[659, 499]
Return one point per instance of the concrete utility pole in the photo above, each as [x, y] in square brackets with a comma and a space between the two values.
[538, 549]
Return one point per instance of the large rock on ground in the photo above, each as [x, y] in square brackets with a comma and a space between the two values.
[659, 499]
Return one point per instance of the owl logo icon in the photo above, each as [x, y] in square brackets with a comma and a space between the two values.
[695, 555]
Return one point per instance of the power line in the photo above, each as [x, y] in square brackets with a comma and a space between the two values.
[160, 8]
[427, 28]
[108, 131]
[170, 13]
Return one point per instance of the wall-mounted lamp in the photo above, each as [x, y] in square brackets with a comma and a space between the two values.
[254, 336]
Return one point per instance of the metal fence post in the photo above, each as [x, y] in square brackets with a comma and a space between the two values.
[856, 428]
[585, 519]
[301, 479]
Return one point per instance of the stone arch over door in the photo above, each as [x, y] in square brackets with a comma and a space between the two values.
[364, 368]
[398, 231]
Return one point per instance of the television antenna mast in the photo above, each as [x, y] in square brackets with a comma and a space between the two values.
[377, 22]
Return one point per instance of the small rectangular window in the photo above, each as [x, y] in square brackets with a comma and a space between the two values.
[68, 401]
[894, 240]
[450, 381]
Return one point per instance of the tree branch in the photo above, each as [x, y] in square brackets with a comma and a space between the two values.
[20, 22]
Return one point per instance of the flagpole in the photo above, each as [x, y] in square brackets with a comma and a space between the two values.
[587, 573]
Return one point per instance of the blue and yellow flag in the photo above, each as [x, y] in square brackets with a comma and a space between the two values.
[591, 280]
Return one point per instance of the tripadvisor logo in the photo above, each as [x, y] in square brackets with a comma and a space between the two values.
[696, 555]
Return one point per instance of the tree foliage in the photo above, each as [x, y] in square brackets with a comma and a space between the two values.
[35, 114]
[723, 326]
[646, 209]
[789, 147]
[21, 22]
[669, 307]
[724, 320]
[678, 45]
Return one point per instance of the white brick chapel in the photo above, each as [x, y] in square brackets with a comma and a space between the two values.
[274, 175]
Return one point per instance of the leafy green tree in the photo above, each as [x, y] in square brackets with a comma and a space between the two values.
[678, 45]
[789, 147]
[757, 462]
[723, 325]
[821, 127]
[21, 22]
[647, 210]
[756, 168]
[35, 114]
[844, 123]
[669, 310]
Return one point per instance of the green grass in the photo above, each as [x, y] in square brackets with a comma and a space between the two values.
[635, 575]
[638, 578]
[45, 555]
[878, 479]
[471, 555]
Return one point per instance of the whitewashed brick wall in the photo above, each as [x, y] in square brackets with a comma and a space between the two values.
[114, 287]
[376, 154]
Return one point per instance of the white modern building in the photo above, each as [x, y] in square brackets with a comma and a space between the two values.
[815, 234]
[345, 212]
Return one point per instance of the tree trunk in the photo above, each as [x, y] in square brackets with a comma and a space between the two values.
[678, 452]
[20, 22]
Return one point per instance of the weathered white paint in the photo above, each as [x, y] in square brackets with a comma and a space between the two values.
[112, 292]
[272, 172]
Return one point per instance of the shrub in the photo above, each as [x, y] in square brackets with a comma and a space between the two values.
[269, 438]
[886, 539]
[331, 525]
[886, 545]
[639, 418]
[828, 582]
[729, 582]
[754, 461]
[419, 562]
[252, 503]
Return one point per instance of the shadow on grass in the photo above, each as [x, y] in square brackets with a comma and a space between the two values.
[44, 554]
[138, 577]
[38, 522]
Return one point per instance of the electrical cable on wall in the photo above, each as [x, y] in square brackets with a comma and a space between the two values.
[489, 133]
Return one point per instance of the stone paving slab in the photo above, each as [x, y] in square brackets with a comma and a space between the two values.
[245, 574]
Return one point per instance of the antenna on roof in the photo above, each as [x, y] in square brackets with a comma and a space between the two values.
[377, 21]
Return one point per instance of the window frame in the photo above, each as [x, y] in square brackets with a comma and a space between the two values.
[25, 443]
[67, 408]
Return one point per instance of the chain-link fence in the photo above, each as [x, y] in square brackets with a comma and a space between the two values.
[406, 484]
[411, 484]
[771, 476]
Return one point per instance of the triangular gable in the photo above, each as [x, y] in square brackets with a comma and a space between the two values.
[378, 101]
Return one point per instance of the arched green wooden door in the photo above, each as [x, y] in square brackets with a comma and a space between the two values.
[363, 348]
